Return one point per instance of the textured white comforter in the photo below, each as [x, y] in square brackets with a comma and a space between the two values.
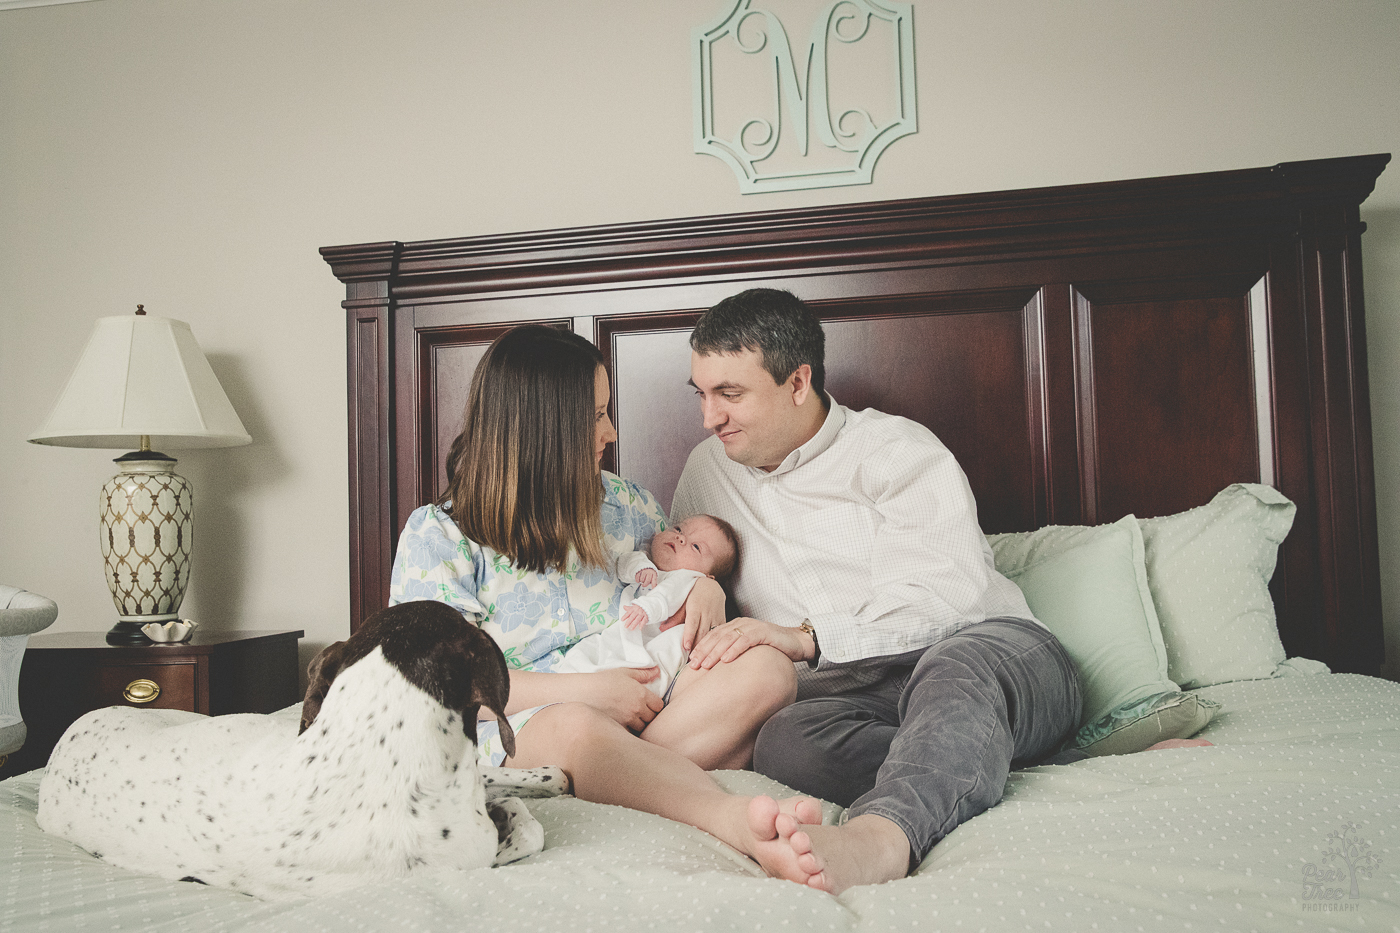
[1203, 839]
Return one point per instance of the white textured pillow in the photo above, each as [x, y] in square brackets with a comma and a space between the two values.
[1209, 570]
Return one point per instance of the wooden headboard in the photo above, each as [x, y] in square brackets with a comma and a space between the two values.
[1085, 351]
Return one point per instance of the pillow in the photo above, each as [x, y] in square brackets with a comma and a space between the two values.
[1089, 587]
[1138, 726]
[1209, 571]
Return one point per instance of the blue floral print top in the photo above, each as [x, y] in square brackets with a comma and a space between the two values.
[533, 617]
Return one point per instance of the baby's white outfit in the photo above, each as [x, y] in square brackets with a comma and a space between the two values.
[648, 646]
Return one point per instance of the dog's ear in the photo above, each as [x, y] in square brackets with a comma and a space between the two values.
[507, 733]
[491, 689]
[320, 674]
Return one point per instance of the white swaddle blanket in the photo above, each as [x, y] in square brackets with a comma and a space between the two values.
[648, 646]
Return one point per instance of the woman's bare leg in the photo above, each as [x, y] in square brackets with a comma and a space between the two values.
[714, 715]
[607, 764]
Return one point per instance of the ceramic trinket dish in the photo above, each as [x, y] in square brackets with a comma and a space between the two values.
[169, 633]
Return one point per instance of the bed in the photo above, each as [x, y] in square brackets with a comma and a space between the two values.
[1089, 353]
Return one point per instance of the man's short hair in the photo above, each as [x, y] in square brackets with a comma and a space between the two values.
[774, 323]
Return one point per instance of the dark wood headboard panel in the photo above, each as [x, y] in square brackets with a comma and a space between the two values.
[1086, 351]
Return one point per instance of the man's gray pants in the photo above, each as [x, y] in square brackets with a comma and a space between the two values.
[930, 746]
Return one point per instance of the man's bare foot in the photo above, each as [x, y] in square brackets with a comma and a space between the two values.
[867, 850]
[791, 844]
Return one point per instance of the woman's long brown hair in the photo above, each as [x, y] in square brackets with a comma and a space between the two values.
[522, 477]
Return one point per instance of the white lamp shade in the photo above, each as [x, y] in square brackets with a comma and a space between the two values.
[142, 375]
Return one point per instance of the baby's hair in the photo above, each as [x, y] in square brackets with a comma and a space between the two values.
[725, 568]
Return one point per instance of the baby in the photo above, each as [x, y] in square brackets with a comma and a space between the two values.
[700, 546]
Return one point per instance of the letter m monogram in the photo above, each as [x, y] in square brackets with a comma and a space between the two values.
[797, 96]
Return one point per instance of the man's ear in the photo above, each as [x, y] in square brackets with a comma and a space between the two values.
[801, 380]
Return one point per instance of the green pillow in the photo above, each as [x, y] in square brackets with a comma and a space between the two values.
[1089, 587]
[1141, 725]
[1209, 570]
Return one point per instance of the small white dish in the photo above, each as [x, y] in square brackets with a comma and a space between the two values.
[169, 633]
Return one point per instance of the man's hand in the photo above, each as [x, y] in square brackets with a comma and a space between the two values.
[703, 610]
[646, 577]
[619, 694]
[727, 642]
[634, 616]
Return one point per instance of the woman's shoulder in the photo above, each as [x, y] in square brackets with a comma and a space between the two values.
[623, 492]
[430, 515]
[435, 521]
[431, 537]
[631, 515]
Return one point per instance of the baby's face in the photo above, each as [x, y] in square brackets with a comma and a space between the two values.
[695, 544]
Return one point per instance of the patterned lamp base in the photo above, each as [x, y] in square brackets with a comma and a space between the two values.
[147, 528]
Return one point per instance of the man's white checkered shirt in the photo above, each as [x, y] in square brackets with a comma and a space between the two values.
[869, 530]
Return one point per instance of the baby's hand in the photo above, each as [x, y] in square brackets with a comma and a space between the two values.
[646, 577]
[634, 616]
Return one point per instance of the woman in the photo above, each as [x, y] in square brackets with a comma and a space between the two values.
[520, 544]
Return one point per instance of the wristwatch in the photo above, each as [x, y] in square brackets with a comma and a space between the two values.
[806, 626]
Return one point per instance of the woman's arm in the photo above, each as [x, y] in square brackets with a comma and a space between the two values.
[617, 693]
[429, 564]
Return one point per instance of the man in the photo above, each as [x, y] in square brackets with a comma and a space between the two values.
[924, 677]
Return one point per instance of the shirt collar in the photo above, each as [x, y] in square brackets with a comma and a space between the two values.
[825, 436]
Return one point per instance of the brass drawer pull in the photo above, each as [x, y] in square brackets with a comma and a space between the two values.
[141, 691]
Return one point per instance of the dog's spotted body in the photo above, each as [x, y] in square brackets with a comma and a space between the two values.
[382, 779]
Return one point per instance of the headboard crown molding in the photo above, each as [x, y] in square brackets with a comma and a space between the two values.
[1006, 223]
[364, 261]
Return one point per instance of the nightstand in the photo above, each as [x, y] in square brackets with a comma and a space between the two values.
[67, 674]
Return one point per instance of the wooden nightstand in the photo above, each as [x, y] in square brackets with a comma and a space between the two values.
[67, 674]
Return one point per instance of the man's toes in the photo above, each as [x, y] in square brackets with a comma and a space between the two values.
[807, 810]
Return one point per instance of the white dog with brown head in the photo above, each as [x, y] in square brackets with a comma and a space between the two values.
[380, 779]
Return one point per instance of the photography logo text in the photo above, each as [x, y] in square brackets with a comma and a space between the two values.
[1333, 882]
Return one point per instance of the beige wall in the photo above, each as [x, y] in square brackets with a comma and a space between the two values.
[193, 154]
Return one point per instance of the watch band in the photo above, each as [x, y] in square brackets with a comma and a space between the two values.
[806, 626]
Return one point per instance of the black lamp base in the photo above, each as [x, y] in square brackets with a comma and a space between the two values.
[127, 633]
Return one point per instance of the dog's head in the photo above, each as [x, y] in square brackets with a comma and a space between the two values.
[436, 650]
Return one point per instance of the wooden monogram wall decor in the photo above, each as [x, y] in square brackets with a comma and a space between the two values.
[758, 105]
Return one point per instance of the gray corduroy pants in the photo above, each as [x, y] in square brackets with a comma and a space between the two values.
[931, 745]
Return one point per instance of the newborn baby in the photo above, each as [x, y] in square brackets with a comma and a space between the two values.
[700, 546]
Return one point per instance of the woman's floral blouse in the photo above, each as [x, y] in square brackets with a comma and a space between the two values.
[533, 617]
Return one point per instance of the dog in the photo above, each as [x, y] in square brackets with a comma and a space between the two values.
[379, 779]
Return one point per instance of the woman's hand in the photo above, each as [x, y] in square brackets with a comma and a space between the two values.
[703, 611]
[732, 639]
[619, 694]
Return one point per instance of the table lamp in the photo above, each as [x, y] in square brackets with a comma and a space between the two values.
[142, 380]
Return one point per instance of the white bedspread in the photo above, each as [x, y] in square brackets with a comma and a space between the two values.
[1202, 839]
